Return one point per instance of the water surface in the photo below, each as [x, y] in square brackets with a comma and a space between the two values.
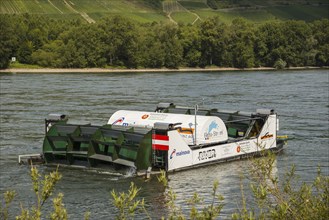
[300, 98]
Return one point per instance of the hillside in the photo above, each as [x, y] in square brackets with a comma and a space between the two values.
[186, 11]
[90, 10]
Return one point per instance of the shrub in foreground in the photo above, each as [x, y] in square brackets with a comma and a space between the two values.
[286, 199]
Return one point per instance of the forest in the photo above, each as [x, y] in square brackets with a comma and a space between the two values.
[118, 42]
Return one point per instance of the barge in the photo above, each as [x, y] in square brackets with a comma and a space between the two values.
[170, 138]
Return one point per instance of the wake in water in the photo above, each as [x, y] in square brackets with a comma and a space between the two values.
[121, 172]
[130, 172]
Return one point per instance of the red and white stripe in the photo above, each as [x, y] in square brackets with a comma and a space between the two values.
[160, 142]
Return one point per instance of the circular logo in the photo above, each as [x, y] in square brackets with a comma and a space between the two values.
[238, 149]
[145, 116]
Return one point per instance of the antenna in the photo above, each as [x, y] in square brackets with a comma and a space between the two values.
[196, 107]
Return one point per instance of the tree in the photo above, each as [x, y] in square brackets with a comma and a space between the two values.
[320, 32]
[291, 41]
[89, 45]
[120, 39]
[8, 40]
[50, 55]
[270, 43]
[117, 41]
[72, 57]
[214, 38]
[155, 56]
[161, 47]
[24, 53]
[191, 42]
[298, 42]
[168, 36]
[242, 40]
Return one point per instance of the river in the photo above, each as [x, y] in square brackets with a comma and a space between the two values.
[300, 97]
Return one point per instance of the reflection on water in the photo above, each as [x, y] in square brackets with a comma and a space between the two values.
[300, 97]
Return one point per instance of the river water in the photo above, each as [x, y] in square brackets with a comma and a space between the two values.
[300, 97]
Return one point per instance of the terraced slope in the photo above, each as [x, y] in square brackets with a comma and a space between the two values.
[259, 10]
[90, 10]
[186, 11]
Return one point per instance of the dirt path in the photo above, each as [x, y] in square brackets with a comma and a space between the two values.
[171, 6]
[55, 7]
[83, 14]
[171, 19]
[196, 15]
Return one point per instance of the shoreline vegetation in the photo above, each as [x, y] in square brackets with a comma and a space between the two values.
[285, 199]
[146, 70]
[115, 42]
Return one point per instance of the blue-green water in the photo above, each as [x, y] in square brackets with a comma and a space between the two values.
[300, 97]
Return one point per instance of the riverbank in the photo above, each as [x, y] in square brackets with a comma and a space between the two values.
[107, 70]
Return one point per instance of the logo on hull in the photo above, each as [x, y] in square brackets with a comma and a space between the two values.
[266, 136]
[119, 121]
[213, 131]
[180, 153]
[207, 154]
[172, 153]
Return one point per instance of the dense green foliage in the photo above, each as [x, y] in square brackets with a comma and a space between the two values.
[119, 42]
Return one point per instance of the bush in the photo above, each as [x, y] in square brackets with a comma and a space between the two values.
[274, 199]
[280, 64]
[284, 200]
[43, 189]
